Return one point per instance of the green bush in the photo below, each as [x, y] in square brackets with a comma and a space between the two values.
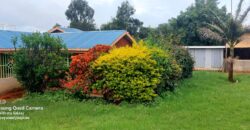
[127, 73]
[185, 60]
[170, 44]
[171, 71]
[40, 62]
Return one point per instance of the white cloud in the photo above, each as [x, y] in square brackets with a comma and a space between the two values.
[101, 2]
[43, 14]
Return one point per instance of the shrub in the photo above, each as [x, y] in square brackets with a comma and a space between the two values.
[185, 60]
[171, 71]
[81, 73]
[40, 62]
[127, 73]
[169, 44]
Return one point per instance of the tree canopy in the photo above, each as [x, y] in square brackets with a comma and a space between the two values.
[227, 31]
[186, 25]
[81, 15]
[124, 20]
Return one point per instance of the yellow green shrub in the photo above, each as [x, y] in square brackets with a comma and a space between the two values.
[127, 73]
[135, 73]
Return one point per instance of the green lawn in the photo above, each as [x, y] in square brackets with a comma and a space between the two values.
[206, 101]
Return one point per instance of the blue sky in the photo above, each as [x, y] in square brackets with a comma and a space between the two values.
[32, 15]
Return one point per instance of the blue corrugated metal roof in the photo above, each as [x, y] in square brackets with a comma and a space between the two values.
[71, 30]
[6, 38]
[83, 40]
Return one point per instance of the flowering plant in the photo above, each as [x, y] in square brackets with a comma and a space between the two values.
[81, 75]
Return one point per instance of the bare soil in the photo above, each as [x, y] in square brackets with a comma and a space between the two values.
[10, 88]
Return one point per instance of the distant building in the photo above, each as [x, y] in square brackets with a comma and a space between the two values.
[242, 50]
[207, 57]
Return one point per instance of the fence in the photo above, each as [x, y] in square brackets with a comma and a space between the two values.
[6, 65]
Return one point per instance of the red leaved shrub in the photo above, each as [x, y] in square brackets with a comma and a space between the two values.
[81, 74]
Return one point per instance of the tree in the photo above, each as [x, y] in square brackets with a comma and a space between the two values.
[186, 25]
[124, 20]
[228, 32]
[40, 62]
[145, 32]
[57, 25]
[81, 15]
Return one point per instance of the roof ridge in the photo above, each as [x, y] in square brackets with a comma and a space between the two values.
[92, 31]
[104, 31]
[64, 32]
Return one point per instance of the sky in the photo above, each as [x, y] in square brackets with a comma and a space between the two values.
[41, 15]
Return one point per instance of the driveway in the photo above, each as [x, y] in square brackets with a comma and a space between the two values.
[8, 84]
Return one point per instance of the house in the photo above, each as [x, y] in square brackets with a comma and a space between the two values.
[242, 54]
[77, 41]
[242, 49]
[64, 30]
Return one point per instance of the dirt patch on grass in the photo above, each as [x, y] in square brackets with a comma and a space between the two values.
[10, 89]
[14, 94]
[8, 84]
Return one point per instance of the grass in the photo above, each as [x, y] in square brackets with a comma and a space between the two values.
[205, 102]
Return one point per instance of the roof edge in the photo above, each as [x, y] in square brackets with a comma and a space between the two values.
[205, 47]
[56, 28]
[119, 38]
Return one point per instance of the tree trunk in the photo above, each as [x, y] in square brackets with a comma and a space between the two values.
[231, 65]
[230, 70]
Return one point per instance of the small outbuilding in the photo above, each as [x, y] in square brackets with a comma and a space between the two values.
[207, 57]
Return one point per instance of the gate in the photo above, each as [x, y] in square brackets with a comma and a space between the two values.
[6, 65]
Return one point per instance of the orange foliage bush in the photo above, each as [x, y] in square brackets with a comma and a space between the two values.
[81, 75]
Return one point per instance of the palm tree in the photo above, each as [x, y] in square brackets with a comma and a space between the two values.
[228, 32]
